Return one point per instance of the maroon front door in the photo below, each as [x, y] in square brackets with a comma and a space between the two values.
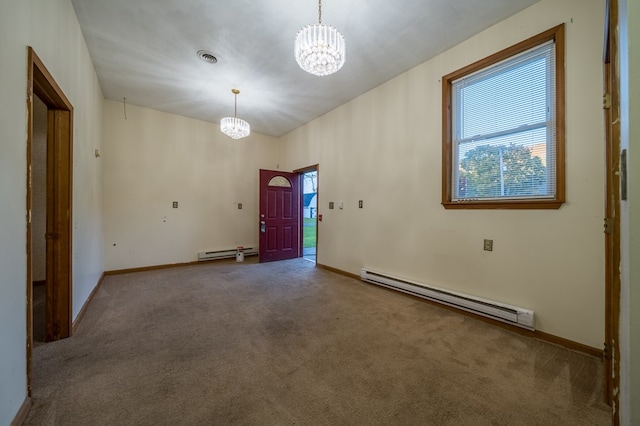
[279, 215]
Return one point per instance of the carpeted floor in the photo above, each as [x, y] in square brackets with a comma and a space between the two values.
[286, 343]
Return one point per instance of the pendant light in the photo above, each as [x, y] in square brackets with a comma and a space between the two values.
[235, 127]
[319, 49]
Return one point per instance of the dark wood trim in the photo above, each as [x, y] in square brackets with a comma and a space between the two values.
[540, 335]
[86, 304]
[30, 72]
[44, 85]
[39, 282]
[23, 412]
[556, 34]
[151, 268]
[612, 208]
[498, 204]
[560, 113]
[307, 169]
[338, 271]
[62, 212]
[569, 344]
[316, 168]
[50, 230]
[168, 265]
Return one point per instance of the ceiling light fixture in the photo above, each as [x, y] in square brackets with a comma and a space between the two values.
[235, 127]
[319, 49]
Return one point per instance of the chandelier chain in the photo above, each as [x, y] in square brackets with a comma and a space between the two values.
[320, 11]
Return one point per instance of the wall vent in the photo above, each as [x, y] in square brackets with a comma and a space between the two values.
[510, 314]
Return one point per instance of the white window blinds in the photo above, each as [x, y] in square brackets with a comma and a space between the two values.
[504, 129]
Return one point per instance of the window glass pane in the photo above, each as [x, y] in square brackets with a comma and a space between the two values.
[504, 129]
[513, 165]
[280, 181]
[509, 95]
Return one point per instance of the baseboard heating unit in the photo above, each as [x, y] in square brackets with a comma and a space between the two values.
[225, 254]
[510, 314]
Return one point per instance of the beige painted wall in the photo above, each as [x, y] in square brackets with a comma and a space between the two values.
[152, 159]
[385, 148]
[52, 29]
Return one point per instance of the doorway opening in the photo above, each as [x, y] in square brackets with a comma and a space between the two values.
[309, 222]
[39, 220]
[49, 195]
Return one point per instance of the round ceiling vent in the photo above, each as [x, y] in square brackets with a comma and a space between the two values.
[207, 56]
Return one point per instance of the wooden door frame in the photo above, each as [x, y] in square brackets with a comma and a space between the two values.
[316, 168]
[41, 83]
[612, 209]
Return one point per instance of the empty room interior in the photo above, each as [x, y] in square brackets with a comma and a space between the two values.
[306, 240]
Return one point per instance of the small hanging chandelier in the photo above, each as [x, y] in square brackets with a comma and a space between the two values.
[234, 127]
[319, 49]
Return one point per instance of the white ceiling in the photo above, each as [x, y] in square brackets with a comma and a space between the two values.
[145, 51]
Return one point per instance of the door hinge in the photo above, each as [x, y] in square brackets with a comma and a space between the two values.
[606, 101]
[608, 225]
[605, 352]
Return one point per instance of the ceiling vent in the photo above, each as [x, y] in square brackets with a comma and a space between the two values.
[207, 56]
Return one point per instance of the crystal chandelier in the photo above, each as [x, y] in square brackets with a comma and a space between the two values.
[319, 48]
[234, 127]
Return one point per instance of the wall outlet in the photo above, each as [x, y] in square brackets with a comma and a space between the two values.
[175, 204]
[360, 204]
[488, 245]
[239, 206]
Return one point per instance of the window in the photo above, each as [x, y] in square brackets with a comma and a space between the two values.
[503, 128]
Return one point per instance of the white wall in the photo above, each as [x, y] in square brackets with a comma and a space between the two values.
[152, 159]
[385, 148]
[53, 31]
[630, 214]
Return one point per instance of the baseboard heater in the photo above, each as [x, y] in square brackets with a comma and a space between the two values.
[510, 314]
[225, 254]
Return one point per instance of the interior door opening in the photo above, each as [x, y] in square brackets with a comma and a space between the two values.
[39, 220]
[48, 209]
[309, 215]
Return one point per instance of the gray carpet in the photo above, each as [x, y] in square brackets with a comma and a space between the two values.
[286, 343]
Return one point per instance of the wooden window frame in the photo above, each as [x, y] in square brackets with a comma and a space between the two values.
[557, 35]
